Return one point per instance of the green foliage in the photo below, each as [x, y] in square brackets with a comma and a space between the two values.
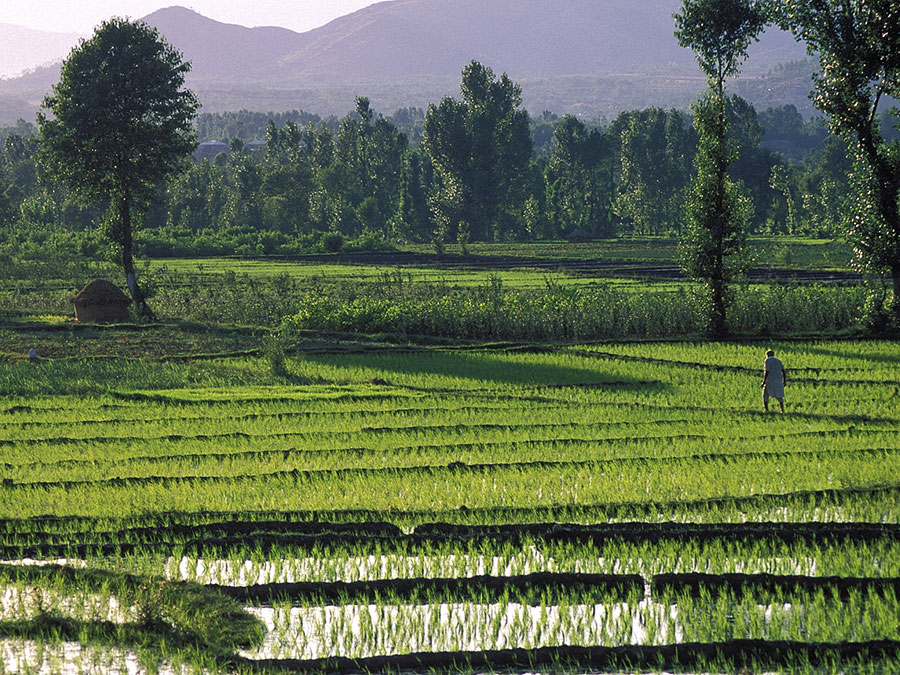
[716, 215]
[121, 122]
[827, 187]
[333, 242]
[858, 48]
[777, 309]
[719, 32]
[480, 148]
[578, 179]
[413, 218]
[281, 200]
[259, 292]
[462, 237]
[248, 125]
[876, 317]
[348, 182]
[574, 313]
[656, 148]
[274, 349]
[779, 179]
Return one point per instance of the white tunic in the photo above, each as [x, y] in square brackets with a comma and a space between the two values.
[775, 380]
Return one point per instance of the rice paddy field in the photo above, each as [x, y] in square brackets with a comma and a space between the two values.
[627, 263]
[199, 272]
[601, 507]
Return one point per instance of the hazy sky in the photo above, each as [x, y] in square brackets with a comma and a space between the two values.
[80, 16]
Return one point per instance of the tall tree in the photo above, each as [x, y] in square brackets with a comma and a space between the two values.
[121, 124]
[826, 187]
[196, 199]
[753, 164]
[858, 46]
[578, 180]
[654, 153]
[481, 150]
[413, 217]
[372, 148]
[18, 178]
[719, 32]
[782, 182]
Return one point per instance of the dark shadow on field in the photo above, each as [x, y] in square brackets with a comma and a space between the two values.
[891, 359]
[322, 531]
[480, 367]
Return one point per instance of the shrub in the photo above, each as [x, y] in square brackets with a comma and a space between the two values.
[332, 242]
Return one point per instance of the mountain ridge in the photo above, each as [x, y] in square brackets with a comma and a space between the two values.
[42, 48]
[227, 50]
[423, 45]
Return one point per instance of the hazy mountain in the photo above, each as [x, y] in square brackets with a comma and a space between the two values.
[586, 56]
[432, 38]
[221, 51]
[23, 49]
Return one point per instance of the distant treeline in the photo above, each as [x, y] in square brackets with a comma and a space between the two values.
[784, 129]
[478, 168]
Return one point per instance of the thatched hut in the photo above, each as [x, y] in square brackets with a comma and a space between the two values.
[101, 301]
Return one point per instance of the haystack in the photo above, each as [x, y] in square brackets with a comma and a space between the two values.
[101, 301]
[578, 236]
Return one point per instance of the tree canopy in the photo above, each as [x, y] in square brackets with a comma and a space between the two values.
[858, 46]
[119, 123]
[717, 212]
[719, 32]
[481, 148]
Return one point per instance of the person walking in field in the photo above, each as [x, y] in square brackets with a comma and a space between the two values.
[773, 381]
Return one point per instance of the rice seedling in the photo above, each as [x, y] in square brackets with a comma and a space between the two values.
[438, 481]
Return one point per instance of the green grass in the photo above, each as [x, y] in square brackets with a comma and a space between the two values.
[782, 251]
[205, 271]
[475, 268]
[541, 291]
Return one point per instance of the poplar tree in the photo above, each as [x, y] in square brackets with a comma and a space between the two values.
[481, 151]
[716, 211]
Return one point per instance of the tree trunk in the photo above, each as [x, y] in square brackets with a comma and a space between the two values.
[128, 259]
[888, 205]
[717, 328]
[895, 305]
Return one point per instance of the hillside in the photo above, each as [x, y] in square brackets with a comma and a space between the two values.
[591, 57]
[22, 48]
[222, 52]
[525, 38]
[411, 39]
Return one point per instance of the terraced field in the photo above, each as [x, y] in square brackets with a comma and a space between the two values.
[592, 507]
[629, 264]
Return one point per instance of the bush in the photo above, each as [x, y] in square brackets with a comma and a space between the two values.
[875, 316]
[332, 242]
[777, 309]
